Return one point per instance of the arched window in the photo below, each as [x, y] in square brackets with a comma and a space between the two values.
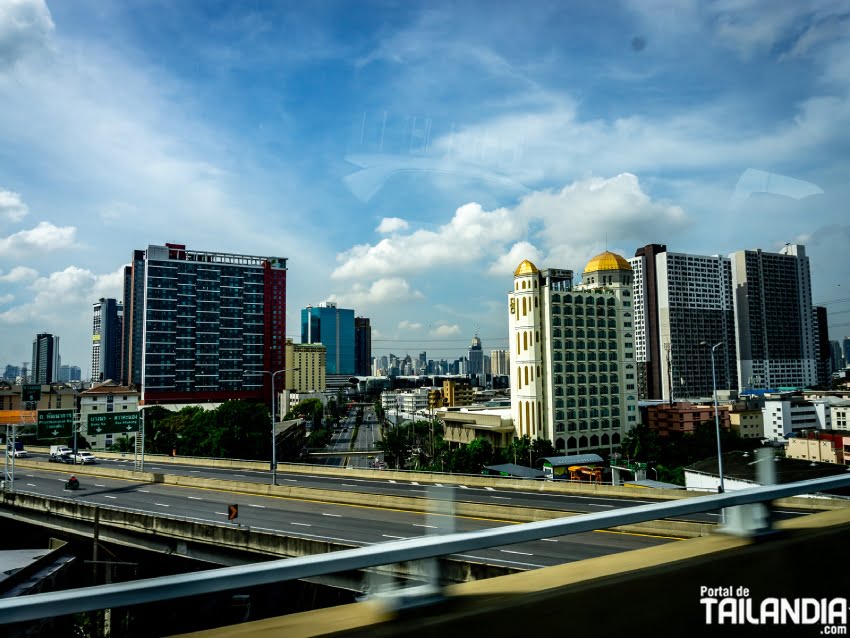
[526, 375]
[519, 377]
[557, 356]
[571, 403]
[559, 391]
[611, 301]
[525, 341]
[559, 403]
[556, 332]
[558, 367]
[556, 298]
[579, 299]
[568, 298]
[524, 308]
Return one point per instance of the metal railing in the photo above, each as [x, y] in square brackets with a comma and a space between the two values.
[60, 603]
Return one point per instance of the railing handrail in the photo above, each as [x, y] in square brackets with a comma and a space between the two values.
[60, 603]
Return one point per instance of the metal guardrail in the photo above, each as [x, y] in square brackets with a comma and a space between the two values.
[60, 603]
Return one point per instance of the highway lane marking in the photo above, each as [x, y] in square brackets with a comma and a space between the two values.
[490, 489]
[108, 496]
[194, 471]
[549, 540]
[31, 485]
[463, 487]
[29, 475]
[348, 485]
[499, 560]
[334, 515]
[162, 504]
[291, 480]
[504, 498]
[99, 485]
[302, 524]
[408, 512]
[411, 482]
[600, 505]
[260, 506]
[438, 485]
[196, 498]
[401, 538]
[510, 551]
[242, 475]
[428, 526]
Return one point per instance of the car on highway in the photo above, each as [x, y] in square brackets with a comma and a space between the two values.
[84, 457]
[18, 451]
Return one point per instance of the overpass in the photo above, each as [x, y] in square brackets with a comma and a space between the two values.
[666, 590]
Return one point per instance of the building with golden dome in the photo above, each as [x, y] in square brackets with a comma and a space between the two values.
[572, 354]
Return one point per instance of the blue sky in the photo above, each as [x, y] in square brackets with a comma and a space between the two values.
[406, 156]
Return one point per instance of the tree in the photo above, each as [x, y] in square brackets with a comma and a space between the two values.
[122, 444]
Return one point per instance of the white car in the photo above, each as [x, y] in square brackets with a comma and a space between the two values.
[84, 457]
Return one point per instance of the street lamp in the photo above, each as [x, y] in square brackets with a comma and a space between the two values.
[716, 417]
[274, 414]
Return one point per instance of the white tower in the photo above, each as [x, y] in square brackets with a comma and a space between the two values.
[524, 329]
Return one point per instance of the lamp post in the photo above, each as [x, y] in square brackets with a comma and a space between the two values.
[716, 417]
[274, 414]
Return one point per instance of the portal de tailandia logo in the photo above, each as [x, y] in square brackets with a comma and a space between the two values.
[736, 606]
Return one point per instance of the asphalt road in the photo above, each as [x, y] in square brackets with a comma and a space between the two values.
[357, 525]
[530, 497]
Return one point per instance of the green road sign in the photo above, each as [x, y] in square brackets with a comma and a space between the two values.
[113, 423]
[31, 392]
[52, 424]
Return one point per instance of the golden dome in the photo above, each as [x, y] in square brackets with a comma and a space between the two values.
[525, 268]
[607, 261]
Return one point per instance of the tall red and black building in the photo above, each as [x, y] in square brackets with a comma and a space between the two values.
[203, 326]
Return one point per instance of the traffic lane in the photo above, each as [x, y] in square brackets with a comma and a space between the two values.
[337, 523]
[480, 495]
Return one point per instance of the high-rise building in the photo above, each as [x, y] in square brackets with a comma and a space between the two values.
[835, 358]
[823, 353]
[773, 313]
[476, 360]
[305, 363]
[334, 328]
[500, 362]
[203, 326]
[845, 352]
[45, 358]
[11, 373]
[683, 307]
[69, 373]
[573, 375]
[362, 346]
[106, 340]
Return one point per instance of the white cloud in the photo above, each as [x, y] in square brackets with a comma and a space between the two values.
[65, 297]
[505, 265]
[19, 274]
[12, 209]
[589, 210]
[404, 324]
[44, 237]
[4, 299]
[566, 222]
[382, 291]
[391, 225]
[25, 27]
[470, 234]
[445, 330]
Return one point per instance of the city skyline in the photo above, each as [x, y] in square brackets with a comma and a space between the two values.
[405, 160]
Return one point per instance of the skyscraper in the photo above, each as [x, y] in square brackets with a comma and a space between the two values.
[45, 358]
[476, 360]
[334, 328]
[362, 347]
[823, 353]
[500, 362]
[683, 306]
[773, 312]
[201, 326]
[106, 340]
[573, 374]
